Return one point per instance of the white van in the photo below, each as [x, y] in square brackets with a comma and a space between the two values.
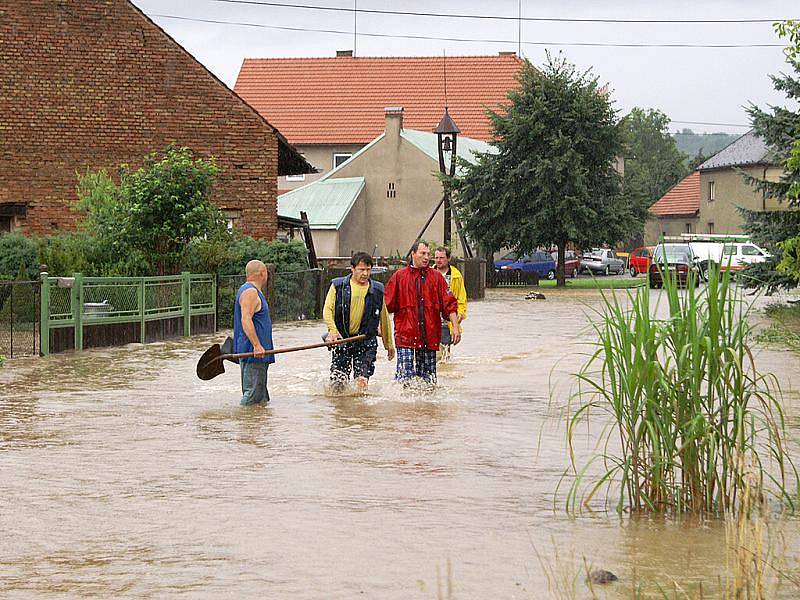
[728, 251]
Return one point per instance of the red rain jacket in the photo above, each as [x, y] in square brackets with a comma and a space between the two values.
[401, 296]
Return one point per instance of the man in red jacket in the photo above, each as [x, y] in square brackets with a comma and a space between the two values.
[419, 298]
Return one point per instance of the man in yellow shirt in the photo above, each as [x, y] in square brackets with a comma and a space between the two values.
[354, 306]
[455, 280]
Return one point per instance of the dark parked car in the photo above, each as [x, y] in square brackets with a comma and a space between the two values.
[572, 263]
[540, 262]
[677, 260]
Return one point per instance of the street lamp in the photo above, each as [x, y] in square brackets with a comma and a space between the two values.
[447, 136]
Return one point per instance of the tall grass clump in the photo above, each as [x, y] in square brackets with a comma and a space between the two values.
[684, 398]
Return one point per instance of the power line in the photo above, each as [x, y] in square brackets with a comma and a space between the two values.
[455, 39]
[707, 123]
[493, 17]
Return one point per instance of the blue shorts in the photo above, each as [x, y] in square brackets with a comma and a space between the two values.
[416, 362]
[358, 357]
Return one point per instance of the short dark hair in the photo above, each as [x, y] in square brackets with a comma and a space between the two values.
[415, 246]
[443, 249]
[360, 257]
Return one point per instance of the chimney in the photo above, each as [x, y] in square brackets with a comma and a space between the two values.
[341, 53]
[508, 53]
[394, 121]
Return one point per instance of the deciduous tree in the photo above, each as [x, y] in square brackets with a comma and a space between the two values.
[552, 180]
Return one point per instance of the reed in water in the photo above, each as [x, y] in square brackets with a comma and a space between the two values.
[685, 399]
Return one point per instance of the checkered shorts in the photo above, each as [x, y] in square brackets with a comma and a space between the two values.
[416, 362]
[358, 357]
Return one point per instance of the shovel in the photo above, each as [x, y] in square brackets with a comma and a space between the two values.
[211, 363]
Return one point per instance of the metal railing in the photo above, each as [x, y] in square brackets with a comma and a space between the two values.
[122, 309]
[19, 318]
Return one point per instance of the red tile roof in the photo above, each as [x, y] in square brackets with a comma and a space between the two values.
[683, 199]
[341, 100]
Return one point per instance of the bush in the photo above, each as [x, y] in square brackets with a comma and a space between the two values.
[79, 252]
[18, 257]
[228, 253]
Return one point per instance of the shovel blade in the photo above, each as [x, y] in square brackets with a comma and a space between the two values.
[210, 365]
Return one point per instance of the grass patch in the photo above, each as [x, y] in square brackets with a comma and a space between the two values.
[785, 328]
[598, 283]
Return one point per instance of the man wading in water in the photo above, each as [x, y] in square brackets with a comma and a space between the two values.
[419, 298]
[252, 332]
[455, 281]
[354, 306]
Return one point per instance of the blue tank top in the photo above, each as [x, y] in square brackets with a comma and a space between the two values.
[262, 323]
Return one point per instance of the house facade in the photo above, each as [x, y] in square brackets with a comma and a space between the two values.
[379, 200]
[91, 85]
[707, 201]
[330, 108]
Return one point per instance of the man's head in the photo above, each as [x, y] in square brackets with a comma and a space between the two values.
[420, 254]
[361, 267]
[441, 256]
[256, 273]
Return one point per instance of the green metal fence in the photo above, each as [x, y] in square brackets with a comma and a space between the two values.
[119, 310]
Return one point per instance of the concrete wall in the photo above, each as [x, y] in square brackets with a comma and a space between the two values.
[321, 156]
[91, 85]
[730, 191]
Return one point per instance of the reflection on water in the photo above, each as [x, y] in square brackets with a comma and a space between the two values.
[124, 475]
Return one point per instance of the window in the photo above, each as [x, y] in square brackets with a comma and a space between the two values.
[391, 191]
[688, 228]
[710, 227]
[231, 217]
[339, 158]
[711, 193]
[729, 249]
[5, 224]
[748, 250]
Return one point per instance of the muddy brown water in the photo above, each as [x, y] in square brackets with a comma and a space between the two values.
[123, 475]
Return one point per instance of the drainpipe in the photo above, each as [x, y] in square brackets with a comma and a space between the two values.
[764, 192]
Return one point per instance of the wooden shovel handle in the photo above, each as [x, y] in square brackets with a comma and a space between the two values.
[355, 338]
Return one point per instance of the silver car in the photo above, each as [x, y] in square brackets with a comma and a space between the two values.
[602, 260]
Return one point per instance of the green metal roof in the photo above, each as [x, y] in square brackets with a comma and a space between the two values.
[429, 144]
[327, 201]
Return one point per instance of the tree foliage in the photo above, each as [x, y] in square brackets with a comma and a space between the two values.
[552, 179]
[780, 129]
[654, 164]
[152, 215]
[18, 258]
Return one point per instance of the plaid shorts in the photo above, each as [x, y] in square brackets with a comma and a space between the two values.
[358, 357]
[416, 362]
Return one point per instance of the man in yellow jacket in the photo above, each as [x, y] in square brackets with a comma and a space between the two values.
[455, 280]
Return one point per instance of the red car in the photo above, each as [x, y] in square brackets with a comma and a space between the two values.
[640, 260]
[572, 263]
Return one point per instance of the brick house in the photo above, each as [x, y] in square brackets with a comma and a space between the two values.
[89, 85]
[330, 108]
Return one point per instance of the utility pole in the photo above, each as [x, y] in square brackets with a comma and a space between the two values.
[519, 29]
[355, 25]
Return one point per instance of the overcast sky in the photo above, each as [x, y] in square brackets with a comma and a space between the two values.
[710, 85]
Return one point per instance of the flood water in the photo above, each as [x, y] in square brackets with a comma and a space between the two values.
[123, 475]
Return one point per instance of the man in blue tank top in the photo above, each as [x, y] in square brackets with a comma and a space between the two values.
[252, 332]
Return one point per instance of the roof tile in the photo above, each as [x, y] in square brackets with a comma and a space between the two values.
[682, 199]
[341, 100]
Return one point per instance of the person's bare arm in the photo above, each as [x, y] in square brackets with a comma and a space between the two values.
[455, 330]
[251, 304]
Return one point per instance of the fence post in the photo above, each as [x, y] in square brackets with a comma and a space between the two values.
[44, 315]
[142, 322]
[186, 302]
[76, 300]
[214, 300]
